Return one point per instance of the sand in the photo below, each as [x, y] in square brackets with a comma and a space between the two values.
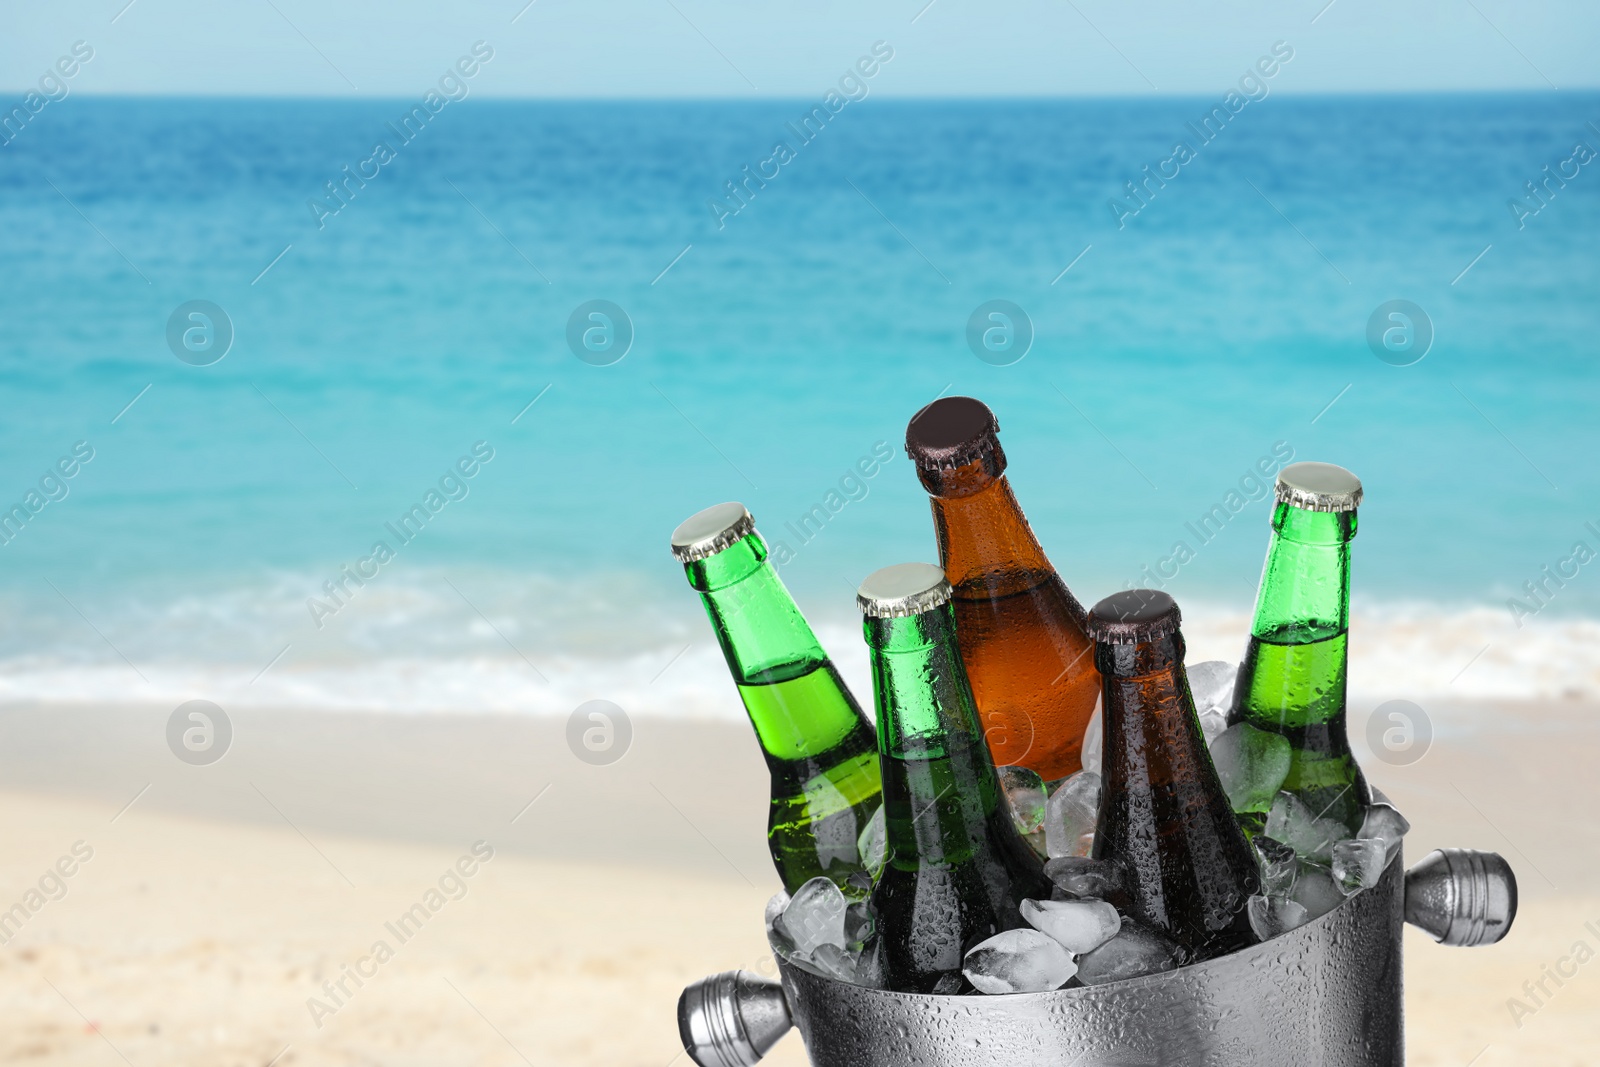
[218, 902]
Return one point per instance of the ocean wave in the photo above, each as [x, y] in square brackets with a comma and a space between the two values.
[498, 644]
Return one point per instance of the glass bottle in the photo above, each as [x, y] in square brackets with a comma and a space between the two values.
[1293, 678]
[957, 868]
[1188, 870]
[818, 743]
[1019, 626]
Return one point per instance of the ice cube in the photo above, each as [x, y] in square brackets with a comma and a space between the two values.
[1070, 815]
[1080, 925]
[777, 936]
[873, 844]
[831, 961]
[1093, 741]
[1081, 876]
[948, 985]
[775, 906]
[868, 971]
[1279, 866]
[859, 924]
[1025, 793]
[1358, 864]
[1212, 724]
[1252, 764]
[1271, 916]
[1291, 822]
[779, 939]
[1018, 961]
[816, 916]
[1134, 951]
[834, 962]
[1211, 684]
[1384, 823]
[1314, 890]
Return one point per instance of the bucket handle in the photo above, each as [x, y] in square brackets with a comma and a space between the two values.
[1461, 896]
[732, 1019]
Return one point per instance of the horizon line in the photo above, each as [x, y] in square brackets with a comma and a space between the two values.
[666, 98]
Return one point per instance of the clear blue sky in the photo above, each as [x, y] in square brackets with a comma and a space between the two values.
[724, 48]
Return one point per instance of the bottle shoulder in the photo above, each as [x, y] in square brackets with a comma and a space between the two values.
[985, 541]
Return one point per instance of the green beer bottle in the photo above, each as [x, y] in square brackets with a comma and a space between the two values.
[817, 742]
[957, 869]
[1292, 680]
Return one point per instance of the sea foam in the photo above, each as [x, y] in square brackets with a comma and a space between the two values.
[491, 643]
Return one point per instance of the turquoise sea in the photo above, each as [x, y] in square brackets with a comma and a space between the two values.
[1216, 322]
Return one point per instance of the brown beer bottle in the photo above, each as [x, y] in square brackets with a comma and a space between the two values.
[1020, 629]
[1188, 870]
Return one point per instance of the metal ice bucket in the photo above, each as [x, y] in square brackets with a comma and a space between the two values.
[1327, 993]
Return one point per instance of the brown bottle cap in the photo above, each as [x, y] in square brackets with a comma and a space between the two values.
[952, 432]
[705, 533]
[1133, 617]
[1318, 487]
[903, 589]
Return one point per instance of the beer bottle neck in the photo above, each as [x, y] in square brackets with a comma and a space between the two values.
[762, 633]
[1145, 700]
[985, 543]
[1305, 585]
[923, 697]
[796, 700]
[940, 792]
[1134, 663]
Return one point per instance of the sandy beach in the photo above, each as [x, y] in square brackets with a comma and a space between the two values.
[213, 912]
[360, 362]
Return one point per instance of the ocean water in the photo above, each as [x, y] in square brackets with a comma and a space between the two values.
[1221, 325]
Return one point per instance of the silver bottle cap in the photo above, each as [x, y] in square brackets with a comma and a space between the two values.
[903, 589]
[1318, 487]
[705, 533]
